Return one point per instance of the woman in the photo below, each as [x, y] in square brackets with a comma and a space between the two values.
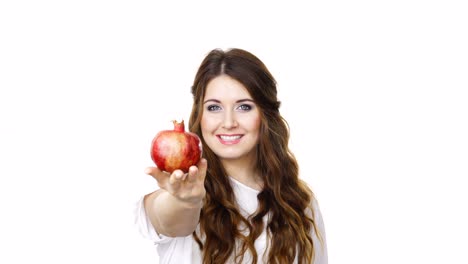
[244, 201]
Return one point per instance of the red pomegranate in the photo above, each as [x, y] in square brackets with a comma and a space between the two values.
[176, 149]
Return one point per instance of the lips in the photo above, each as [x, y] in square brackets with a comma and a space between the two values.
[229, 139]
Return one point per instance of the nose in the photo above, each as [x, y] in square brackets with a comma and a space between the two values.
[230, 121]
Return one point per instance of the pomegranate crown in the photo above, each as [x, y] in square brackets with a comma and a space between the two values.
[179, 126]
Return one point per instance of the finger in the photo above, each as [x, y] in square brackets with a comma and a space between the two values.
[150, 170]
[176, 176]
[157, 174]
[198, 172]
[192, 174]
[202, 167]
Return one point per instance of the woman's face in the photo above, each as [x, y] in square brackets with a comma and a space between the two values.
[230, 121]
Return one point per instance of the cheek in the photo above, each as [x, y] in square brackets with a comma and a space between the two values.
[254, 125]
[256, 120]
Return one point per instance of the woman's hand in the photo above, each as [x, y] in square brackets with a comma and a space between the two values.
[174, 210]
[185, 187]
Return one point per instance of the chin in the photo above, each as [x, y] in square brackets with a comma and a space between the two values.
[228, 155]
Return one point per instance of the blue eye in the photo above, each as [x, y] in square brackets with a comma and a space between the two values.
[213, 108]
[245, 107]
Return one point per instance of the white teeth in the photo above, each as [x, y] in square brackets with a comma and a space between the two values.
[229, 138]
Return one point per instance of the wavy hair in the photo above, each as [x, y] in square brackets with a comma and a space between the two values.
[285, 198]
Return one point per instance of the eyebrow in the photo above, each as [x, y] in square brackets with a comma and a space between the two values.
[238, 101]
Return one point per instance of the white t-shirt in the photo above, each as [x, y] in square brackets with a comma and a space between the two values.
[184, 250]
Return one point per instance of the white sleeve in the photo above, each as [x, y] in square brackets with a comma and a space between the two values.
[170, 249]
[321, 253]
[144, 226]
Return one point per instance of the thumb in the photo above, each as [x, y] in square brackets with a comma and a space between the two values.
[202, 168]
[160, 176]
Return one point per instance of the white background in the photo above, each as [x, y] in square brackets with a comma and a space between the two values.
[374, 92]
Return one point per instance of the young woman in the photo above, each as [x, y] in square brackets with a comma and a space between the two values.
[244, 201]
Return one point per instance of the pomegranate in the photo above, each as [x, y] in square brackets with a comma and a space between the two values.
[176, 149]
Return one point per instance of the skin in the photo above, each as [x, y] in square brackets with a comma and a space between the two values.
[230, 126]
[174, 209]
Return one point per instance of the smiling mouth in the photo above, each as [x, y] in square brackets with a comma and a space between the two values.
[232, 139]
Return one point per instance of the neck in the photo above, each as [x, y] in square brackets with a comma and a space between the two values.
[244, 171]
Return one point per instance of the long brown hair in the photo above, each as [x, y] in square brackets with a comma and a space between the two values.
[285, 198]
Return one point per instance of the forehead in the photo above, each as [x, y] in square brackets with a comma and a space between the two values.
[224, 87]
